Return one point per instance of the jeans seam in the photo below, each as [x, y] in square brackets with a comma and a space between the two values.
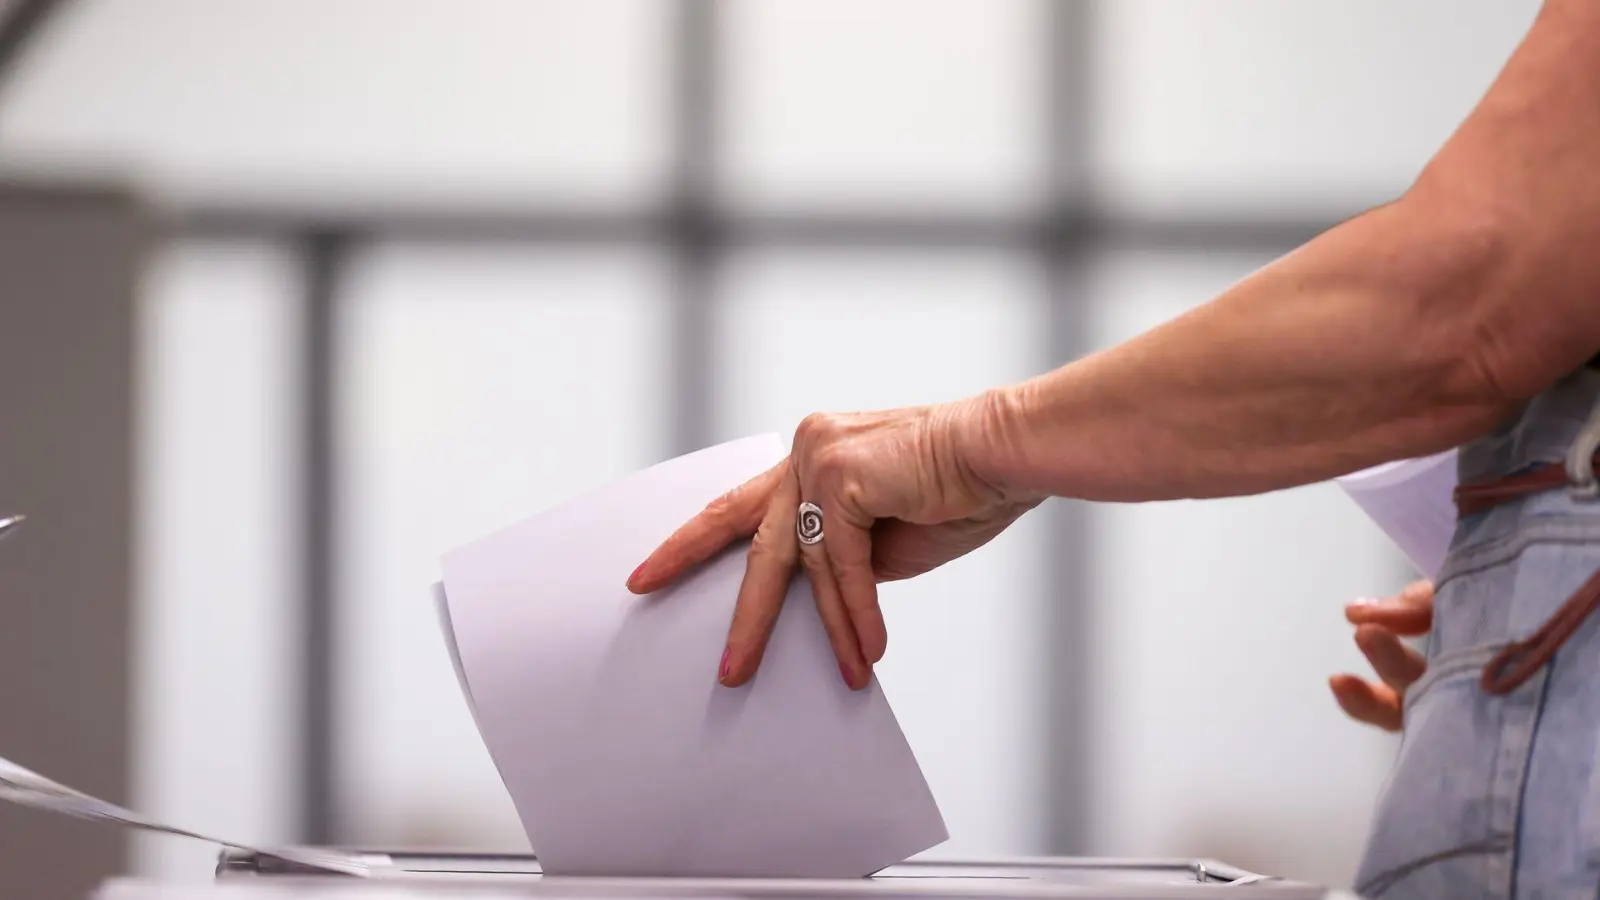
[1448, 665]
[1375, 886]
[1522, 787]
[1548, 529]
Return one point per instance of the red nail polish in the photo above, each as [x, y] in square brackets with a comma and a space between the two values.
[845, 671]
[722, 671]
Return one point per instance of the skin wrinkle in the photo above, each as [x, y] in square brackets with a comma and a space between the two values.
[935, 481]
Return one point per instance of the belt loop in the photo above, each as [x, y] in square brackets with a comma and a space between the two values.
[1582, 483]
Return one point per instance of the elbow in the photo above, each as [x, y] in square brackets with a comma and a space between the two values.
[1455, 269]
[1506, 296]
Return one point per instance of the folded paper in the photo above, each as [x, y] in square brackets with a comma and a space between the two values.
[1412, 502]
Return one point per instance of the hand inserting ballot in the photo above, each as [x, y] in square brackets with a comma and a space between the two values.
[897, 493]
[1380, 625]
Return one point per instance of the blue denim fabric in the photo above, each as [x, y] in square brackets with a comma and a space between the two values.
[1497, 797]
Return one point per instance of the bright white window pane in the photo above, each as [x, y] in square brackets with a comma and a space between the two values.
[1220, 623]
[1270, 105]
[216, 682]
[908, 102]
[481, 387]
[799, 333]
[481, 100]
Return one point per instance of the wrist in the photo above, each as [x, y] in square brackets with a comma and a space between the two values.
[992, 444]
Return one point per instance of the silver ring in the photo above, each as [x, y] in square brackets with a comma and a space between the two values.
[808, 524]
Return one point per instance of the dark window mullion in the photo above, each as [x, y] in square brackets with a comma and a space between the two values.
[324, 254]
[1069, 603]
[693, 238]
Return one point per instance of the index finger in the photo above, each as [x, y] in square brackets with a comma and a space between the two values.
[1410, 614]
[732, 517]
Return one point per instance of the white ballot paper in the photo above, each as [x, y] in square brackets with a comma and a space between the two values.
[603, 714]
[1412, 501]
[28, 788]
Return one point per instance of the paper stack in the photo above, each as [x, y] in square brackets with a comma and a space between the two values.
[603, 714]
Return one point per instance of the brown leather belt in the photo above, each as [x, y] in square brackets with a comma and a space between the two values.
[1519, 660]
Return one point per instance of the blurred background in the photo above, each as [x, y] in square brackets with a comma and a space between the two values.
[295, 295]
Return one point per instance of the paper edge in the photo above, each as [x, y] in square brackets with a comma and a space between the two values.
[1386, 475]
[447, 628]
[922, 773]
[445, 558]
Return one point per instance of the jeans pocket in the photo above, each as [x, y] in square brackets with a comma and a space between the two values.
[1437, 831]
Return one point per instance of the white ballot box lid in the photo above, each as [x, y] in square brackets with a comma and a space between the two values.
[424, 876]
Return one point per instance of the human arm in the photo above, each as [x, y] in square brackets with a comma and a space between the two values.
[1401, 332]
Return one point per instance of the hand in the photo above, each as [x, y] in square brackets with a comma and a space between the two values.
[1379, 626]
[898, 496]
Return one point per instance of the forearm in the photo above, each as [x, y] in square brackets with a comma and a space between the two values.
[1354, 350]
[1402, 332]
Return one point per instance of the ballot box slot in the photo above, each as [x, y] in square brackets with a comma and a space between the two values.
[943, 879]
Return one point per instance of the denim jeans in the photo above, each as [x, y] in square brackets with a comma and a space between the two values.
[1498, 796]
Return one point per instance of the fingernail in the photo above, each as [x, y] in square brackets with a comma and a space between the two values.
[722, 671]
[845, 672]
[635, 576]
[1363, 601]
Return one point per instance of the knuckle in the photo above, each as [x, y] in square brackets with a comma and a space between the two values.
[839, 636]
[770, 545]
[861, 586]
[720, 510]
[853, 491]
[739, 508]
[830, 460]
[751, 620]
[817, 568]
[852, 561]
[813, 429]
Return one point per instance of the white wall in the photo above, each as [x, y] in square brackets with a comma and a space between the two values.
[903, 103]
[1281, 107]
[326, 101]
[218, 579]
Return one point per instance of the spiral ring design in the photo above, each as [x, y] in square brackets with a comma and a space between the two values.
[808, 524]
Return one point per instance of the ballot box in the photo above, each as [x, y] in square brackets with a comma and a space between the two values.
[243, 875]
